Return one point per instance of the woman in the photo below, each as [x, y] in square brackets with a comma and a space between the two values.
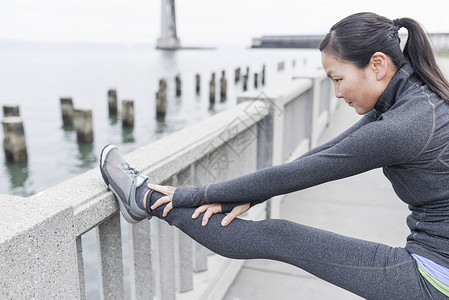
[405, 130]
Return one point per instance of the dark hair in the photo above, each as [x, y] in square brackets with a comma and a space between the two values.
[357, 37]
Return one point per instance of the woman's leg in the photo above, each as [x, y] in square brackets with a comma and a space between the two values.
[371, 270]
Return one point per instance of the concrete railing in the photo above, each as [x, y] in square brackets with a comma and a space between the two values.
[41, 245]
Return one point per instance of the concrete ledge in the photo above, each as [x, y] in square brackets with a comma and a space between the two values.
[39, 235]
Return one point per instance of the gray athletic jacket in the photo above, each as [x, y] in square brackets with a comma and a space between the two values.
[407, 134]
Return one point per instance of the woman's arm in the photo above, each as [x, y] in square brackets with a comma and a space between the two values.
[198, 195]
[367, 146]
[368, 118]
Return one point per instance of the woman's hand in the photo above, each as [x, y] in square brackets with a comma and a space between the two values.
[168, 191]
[215, 208]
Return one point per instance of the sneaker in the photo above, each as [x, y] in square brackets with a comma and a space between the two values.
[123, 181]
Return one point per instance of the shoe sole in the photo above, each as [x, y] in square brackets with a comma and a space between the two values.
[103, 155]
[124, 211]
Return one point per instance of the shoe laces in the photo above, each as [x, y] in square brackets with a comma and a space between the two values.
[128, 169]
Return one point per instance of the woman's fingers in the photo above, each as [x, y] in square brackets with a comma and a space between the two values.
[237, 211]
[164, 189]
[209, 210]
[160, 201]
[199, 211]
[157, 187]
[167, 209]
[168, 191]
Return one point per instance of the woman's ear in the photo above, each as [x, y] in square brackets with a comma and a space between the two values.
[379, 65]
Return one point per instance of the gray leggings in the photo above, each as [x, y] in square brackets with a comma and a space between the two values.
[370, 270]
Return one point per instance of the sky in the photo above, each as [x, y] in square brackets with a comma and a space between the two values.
[199, 22]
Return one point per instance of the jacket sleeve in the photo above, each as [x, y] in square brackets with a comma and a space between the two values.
[365, 146]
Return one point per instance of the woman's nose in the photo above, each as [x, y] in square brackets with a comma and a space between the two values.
[337, 92]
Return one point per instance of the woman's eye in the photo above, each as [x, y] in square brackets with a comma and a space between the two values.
[337, 80]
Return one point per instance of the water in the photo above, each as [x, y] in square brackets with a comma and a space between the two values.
[37, 76]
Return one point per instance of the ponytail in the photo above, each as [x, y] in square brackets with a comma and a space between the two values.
[419, 52]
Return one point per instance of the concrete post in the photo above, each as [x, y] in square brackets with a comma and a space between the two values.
[67, 111]
[223, 86]
[11, 111]
[315, 112]
[14, 140]
[263, 75]
[39, 261]
[128, 113]
[112, 102]
[81, 275]
[165, 282]
[197, 83]
[110, 242]
[141, 268]
[83, 125]
[178, 85]
[212, 90]
[199, 263]
[183, 257]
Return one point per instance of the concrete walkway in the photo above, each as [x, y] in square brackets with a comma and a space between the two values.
[352, 206]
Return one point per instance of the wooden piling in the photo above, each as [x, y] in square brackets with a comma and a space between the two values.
[294, 63]
[245, 82]
[161, 104]
[82, 121]
[112, 102]
[256, 83]
[223, 86]
[127, 113]
[197, 83]
[212, 90]
[11, 111]
[281, 65]
[162, 84]
[14, 139]
[161, 99]
[67, 111]
[178, 85]
[237, 75]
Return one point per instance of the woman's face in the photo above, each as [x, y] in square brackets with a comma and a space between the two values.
[358, 87]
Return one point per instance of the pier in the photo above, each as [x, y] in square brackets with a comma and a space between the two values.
[287, 41]
[440, 41]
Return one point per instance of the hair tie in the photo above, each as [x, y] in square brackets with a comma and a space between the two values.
[397, 22]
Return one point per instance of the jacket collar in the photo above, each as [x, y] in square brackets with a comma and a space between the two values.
[396, 85]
